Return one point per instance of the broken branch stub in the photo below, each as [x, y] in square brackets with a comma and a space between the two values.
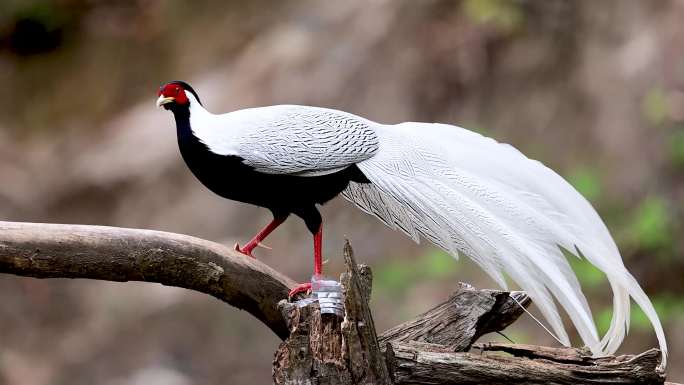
[330, 349]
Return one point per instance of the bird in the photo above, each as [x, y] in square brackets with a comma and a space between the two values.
[464, 192]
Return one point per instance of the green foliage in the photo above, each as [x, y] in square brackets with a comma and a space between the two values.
[503, 14]
[590, 276]
[669, 308]
[394, 276]
[639, 320]
[654, 106]
[676, 148]
[437, 265]
[398, 275]
[603, 319]
[650, 226]
[587, 181]
[50, 14]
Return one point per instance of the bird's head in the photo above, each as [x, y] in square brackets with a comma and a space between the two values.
[174, 95]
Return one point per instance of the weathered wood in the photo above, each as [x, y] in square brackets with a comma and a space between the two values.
[313, 353]
[422, 363]
[459, 321]
[328, 349]
[559, 354]
[321, 349]
[117, 254]
[364, 354]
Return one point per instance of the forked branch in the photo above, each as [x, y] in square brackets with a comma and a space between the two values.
[433, 348]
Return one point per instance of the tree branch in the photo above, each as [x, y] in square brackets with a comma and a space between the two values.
[422, 363]
[458, 322]
[345, 350]
[116, 254]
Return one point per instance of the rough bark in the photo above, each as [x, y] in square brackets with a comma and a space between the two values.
[321, 349]
[421, 363]
[116, 254]
[458, 322]
[327, 349]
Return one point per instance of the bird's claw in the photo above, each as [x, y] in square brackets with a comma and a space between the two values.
[243, 251]
[299, 289]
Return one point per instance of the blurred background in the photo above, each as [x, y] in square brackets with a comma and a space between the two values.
[595, 90]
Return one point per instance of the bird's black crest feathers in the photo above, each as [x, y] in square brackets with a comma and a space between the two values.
[187, 87]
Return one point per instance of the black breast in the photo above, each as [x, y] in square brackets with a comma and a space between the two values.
[230, 178]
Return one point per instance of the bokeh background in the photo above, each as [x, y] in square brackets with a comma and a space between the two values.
[594, 89]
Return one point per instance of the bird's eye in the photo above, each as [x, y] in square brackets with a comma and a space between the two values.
[177, 90]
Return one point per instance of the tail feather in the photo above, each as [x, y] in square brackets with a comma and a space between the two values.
[469, 194]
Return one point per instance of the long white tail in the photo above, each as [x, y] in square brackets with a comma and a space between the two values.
[468, 194]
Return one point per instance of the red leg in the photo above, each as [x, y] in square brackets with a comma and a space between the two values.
[318, 253]
[260, 236]
[318, 264]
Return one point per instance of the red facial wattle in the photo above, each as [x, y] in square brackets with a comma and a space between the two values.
[174, 91]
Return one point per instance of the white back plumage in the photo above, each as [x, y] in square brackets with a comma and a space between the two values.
[469, 194]
[287, 139]
[460, 190]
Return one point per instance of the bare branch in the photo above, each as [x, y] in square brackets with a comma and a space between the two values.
[116, 254]
[341, 350]
[423, 363]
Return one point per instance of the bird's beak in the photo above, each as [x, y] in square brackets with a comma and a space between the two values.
[164, 100]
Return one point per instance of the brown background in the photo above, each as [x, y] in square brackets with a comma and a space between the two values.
[593, 89]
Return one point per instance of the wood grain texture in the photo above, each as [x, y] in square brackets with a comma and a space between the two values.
[117, 254]
[358, 326]
[422, 363]
[331, 350]
[321, 349]
[459, 321]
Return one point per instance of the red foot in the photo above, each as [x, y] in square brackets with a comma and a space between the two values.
[301, 288]
[243, 251]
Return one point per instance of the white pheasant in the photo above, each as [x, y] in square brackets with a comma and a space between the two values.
[464, 192]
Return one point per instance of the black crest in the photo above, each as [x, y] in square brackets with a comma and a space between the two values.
[187, 87]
